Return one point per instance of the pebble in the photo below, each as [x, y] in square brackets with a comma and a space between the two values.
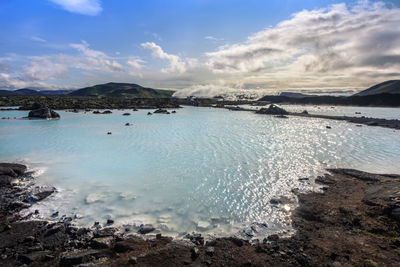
[132, 260]
[195, 253]
[210, 251]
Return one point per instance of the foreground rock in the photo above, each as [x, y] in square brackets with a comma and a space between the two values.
[9, 171]
[43, 113]
[353, 223]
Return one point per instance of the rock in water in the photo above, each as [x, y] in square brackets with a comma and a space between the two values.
[162, 111]
[145, 229]
[273, 110]
[43, 113]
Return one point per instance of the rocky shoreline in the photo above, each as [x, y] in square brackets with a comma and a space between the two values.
[281, 113]
[355, 221]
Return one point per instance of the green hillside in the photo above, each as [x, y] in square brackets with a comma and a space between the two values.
[388, 87]
[122, 90]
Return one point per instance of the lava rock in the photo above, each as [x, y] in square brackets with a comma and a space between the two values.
[102, 242]
[210, 251]
[43, 113]
[78, 257]
[162, 111]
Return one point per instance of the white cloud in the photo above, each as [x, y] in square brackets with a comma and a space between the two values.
[84, 7]
[38, 39]
[41, 69]
[175, 62]
[93, 59]
[212, 38]
[136, 63]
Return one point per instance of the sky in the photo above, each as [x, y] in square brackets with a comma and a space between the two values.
[200, 47]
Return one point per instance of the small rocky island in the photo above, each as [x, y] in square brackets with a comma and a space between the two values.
[39, 111]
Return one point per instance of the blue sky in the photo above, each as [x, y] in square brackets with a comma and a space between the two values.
[204, 46]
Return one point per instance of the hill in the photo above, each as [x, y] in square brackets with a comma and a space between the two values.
[122, 90]
[388, 87]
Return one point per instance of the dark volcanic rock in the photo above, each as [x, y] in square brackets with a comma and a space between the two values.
[102, 242]
[16, 169]
[273, 110]
[9, 171]
[43, 113]
[162, 111]
[78, 257]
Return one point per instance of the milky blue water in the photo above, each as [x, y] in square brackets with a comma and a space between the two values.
[201, 169]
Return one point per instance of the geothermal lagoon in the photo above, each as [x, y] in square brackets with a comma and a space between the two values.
[206, 170]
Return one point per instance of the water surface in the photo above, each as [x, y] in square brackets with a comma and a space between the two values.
[201, 169]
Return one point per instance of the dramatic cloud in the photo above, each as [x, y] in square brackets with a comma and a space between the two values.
[338, 40]
[338, 48]
[175, 62]
[84, 7]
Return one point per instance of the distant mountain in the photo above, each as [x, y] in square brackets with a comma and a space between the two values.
[122, 90]
[6, 92]
[294, 95]
[388, 87]
[29, 91]
[26, 91]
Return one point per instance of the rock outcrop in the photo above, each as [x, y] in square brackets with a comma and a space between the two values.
[43, 113]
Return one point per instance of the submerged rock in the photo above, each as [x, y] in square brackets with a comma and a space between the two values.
[92, 198]
[203, 226]
[282, 116]
[43, 113]
[126, 114]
